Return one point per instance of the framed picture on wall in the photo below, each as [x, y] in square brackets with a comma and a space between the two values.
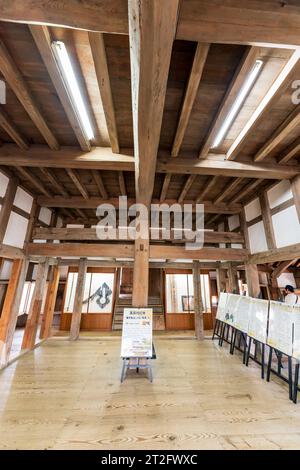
[187, 302]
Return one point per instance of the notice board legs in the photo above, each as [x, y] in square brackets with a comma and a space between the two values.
[290, 377]
[262, 360]
[296, 382]
[269, 364]
[248, 351]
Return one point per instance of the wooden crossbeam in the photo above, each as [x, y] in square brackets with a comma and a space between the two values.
[190, 95]
[42, 38]
[11, 130]
[10, 252]
[79, 234]
[245, 67]
[77, 202]
[102, 158]
[282, 267]
[126, 250]
[291, 151]
[101, 68]
[17, 83]
[277, 254]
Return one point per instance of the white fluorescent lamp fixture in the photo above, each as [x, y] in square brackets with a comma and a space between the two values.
[66, 68]
[238, 103]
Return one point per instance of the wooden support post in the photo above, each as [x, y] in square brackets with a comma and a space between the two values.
[50, 303]
[252, 279]
[199, 326]
[295, 183]
[10, 309]
[35, 306]
[221, 280]
[141, 273]
[267, 220]
[232, 279]
[76, 316]
[7, 207]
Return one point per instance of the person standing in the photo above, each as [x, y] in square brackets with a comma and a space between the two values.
[290, 297]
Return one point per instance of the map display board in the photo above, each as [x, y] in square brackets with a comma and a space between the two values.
[258, 320]
[243, 311]
[221, 311]
[231, 309]
[137, 332]
[280, 335]
[296, 343]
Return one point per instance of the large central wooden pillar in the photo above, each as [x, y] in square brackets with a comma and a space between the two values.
[152, 27]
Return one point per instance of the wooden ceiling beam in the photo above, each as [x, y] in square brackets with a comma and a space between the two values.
[246, 65]
[17, 83]
[42, 38]
[189, 182]
[11, 130]
[190, 95]
[35, 182]
[102, 74]
[240, 22]
[275, 91]
[288, 125]
[207, 187]
[249, 188]
[122, 183]
[228, 190]
[101, 158]
[165, 187]
[100, 185]
[290, 152]
[75, 178]
[104, 16]
[59, 187]
[282, 267]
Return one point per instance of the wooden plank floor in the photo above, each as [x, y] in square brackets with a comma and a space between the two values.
[67, 395]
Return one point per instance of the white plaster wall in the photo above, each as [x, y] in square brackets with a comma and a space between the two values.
[286, 227]
[233, 222]
[286, 278]
[280, 193]
[3, 184]
[6, 270]
[16, 230]
[23, 200]
[45, 215]
[252, 210]
[257, 238]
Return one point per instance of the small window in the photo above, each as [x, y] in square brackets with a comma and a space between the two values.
[180, 293]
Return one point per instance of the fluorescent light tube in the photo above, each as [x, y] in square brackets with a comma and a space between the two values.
[67, 71]
[238, 103]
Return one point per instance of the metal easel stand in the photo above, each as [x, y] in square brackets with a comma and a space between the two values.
[248, 355]
[136, 363]
[288, 379]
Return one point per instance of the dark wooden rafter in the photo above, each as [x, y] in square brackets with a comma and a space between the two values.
[207, 187]
[101, 68]
[76, 180]
[187, 186]
[100, 185]
[245, 67]
[11, 130]
[17, 83]
[190, 95]
[165, 187]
